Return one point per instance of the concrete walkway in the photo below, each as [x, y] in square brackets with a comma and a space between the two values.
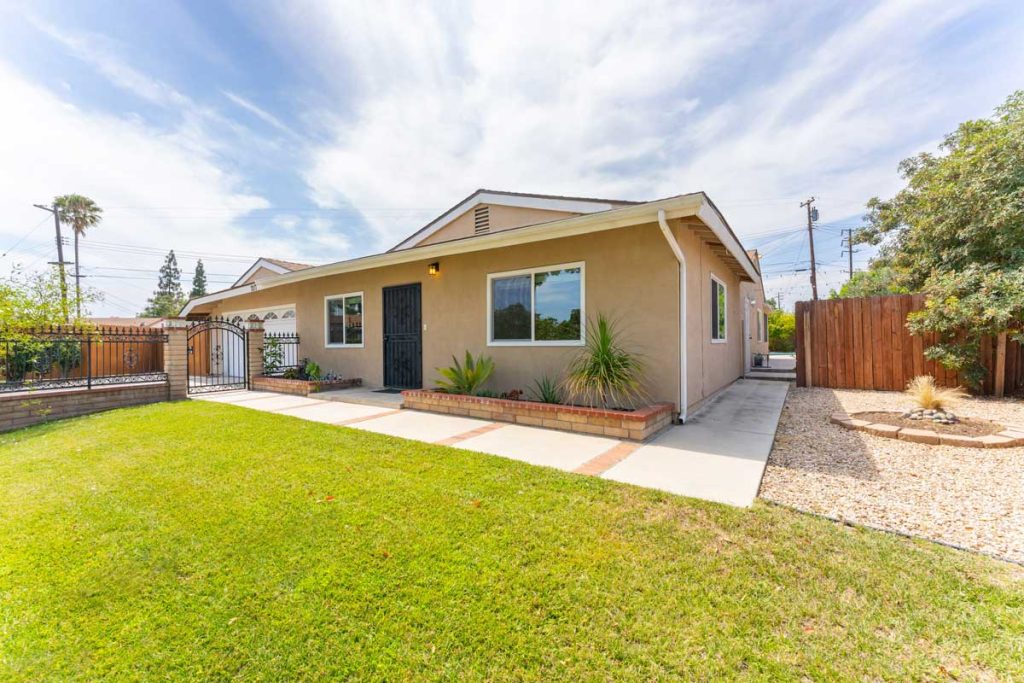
[719, 455]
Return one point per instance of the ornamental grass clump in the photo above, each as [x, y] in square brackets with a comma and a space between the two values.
[927, 396]
[604, 374]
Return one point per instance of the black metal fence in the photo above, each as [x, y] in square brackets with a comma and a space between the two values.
[280, 352]
[57, 356]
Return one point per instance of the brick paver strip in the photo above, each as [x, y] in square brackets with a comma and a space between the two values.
[606, 460]
[452, 440]
[364, 418]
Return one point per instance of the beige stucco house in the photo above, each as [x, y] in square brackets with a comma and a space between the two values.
[517, 277]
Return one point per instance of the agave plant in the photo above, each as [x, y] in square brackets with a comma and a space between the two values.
[604, 374]
[925, 394]
[546, 390]
[468, 378]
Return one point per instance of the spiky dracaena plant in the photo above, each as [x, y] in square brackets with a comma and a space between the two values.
[925, 394]
[465, 379]
[604, 374]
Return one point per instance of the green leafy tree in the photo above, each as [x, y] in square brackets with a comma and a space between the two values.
[34, 300]
[876, 281]
[198, 281]
[168, 298]
[956, 233]
[81, 213]
[781, 331]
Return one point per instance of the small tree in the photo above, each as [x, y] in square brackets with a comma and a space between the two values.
[168, 298]
[198, 281]
[877, 281]
[956, 233]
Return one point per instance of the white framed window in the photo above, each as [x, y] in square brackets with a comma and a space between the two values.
[719, 311]
[343, 320]
[543, 306]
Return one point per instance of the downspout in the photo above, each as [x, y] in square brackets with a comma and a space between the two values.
[678, 252]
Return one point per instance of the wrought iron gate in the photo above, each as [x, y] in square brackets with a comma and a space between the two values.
[218, 358]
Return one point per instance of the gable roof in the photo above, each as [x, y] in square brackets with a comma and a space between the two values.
[550, 202]
[273, 265]
[712, 228]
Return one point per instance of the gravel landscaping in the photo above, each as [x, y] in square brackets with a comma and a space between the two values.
[968, 497]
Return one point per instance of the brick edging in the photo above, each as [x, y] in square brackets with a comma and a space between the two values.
[1008, 438]
[301, 387]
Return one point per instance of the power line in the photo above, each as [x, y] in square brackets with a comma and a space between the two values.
[23, 237]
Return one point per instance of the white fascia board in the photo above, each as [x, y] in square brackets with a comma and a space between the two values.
[710, 217]
[217, 296]
[567, 205]
[260, 263]
[695, 204]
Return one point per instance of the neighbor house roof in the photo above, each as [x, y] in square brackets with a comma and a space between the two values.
[274, 265]
[712, 229]
[549, 202]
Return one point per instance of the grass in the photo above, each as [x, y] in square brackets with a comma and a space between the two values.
[195, 540]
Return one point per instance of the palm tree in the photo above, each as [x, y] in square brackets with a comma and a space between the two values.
[81, 213]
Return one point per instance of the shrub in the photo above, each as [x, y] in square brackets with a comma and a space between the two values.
[312, 371]
[546, 390]
[273, 356]
[605, 374]
[466, 379]
[925, 394]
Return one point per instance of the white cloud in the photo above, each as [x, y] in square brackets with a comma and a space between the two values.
[618, 99]
[157, 191]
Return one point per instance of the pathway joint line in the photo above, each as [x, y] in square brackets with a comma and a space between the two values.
[301, 405]
[452, 440]
[604, 462]
[364, 418]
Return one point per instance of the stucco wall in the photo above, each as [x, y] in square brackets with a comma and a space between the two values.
[500, 218]
[631, 275]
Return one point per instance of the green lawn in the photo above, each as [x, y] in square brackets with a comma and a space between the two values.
[195, 540]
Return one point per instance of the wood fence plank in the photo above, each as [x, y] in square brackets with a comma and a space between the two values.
[867, 341]
[801, 352]
[857, 345]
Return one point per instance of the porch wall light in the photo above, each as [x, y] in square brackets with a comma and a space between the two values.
[434, 268]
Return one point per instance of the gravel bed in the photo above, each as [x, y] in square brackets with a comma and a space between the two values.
[969, 497]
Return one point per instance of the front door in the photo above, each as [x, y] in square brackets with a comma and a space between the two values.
[403, 337]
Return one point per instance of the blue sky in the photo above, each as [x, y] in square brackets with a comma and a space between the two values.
[321, 131]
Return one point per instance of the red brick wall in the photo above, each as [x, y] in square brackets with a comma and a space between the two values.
[25, 408]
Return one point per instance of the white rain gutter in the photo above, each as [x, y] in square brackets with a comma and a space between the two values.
[677, 250]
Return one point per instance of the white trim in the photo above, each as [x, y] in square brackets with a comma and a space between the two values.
[568, 205]
[695, 204]
[217, 296]
[582, 265]
[261, 263]
[249, 311]
[725, 313]
[328, 344]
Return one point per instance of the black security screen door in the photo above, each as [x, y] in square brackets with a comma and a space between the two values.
[403, 339]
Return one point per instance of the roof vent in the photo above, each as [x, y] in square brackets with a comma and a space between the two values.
[482, 220]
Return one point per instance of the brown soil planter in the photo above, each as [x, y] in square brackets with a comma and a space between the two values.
[1007, 438]
[301, 387]
[635, 425]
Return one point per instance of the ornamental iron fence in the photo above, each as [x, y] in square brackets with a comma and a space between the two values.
[65, 356]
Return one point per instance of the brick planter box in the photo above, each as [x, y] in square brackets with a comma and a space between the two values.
[636, 425]
[301, 387]
[1008, 438]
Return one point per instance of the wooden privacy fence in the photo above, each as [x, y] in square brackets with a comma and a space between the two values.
[864, 343]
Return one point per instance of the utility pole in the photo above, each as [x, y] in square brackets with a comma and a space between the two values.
[812, 215]
[60, 259]
[778, 300]
[848, 247]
